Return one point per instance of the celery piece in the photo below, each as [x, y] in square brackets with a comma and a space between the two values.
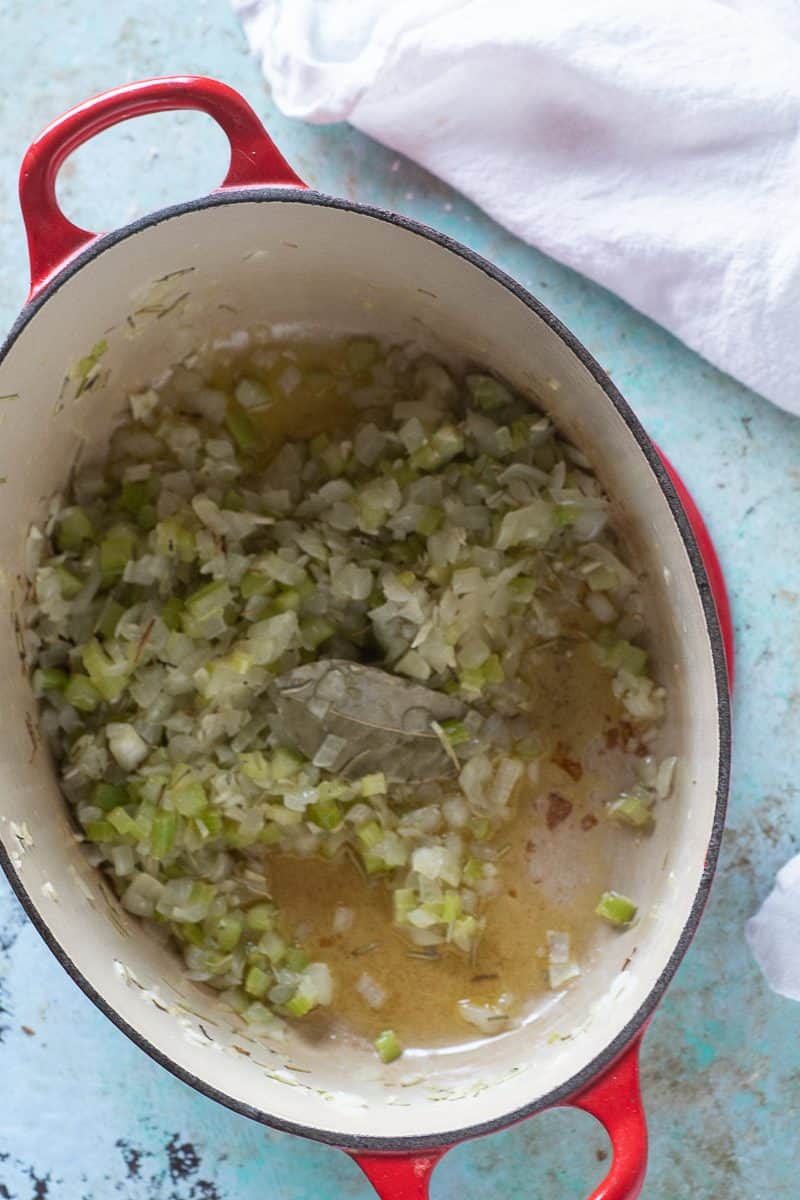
[616, 908]
[373, 785]
[630, 810]
[172, 612]
[431, 520]
[173, 539]
[493, 670]
[522, 588]
[146, 517]
[261, 917]
[455, 731]
[108, 677]
[240, 427]
[443, 446]
[257, 982]
[369, 834]
[623, 656]
[109, 795]
[274, 946]
[135, 494]
[162, 835]
[81, 693]
[566, 514]
[49, 679]
[486, 393]
[208, 600]
[285, 763]
[227, 931]
[299, 1005]
[192, 933]
[480, 828]
[296, 959]
[473, 869]
[109, 619]
[101, 831]
[117, 548]
[287, 600]
[271, 834]
[189, 798]
[212, 822]
[73, 529]
[255, 584]
[450, 907]
[124, 823]
[327, 814]
[388, 1045]
[69, 583]
[403, 899]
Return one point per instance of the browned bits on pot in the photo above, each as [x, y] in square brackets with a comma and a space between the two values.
[560, 757]
[588, 822]
[558, 809]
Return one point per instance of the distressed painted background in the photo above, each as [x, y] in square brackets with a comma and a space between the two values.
[86, 1116]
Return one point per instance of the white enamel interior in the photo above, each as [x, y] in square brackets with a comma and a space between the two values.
[332, 270]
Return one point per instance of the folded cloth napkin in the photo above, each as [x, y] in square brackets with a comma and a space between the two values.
[774, 933]
[653, 146]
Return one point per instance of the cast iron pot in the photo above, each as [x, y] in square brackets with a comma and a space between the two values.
[264, 248]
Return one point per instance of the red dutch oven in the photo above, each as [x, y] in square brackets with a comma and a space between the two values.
[264, 249]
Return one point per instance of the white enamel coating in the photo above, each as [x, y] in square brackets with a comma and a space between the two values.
[332, 270]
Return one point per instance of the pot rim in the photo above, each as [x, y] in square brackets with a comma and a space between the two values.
[591, 1070]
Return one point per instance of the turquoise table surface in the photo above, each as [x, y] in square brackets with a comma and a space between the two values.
[84, 1115]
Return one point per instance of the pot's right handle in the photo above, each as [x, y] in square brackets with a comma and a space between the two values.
[52, 239]
[615, 1100]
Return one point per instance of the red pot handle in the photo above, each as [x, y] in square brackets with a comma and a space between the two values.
[614, 1099]
[709, 555]
[52, 239]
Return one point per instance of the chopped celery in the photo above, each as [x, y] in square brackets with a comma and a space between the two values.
[73, 529]
[257, 982]
[227, 931]
[109, 795]
[285, 763]
[162, 834]
[101, 831]
[630, 810]
[240, 427]
[299, 1005]
[388, 1045]
[137, 493]
[81, 693]
[455, 731]
[616, 908]
[189, 798]
[296, 959]
[172, 613]
[369, 834]
[327, 814]
[49, 679]
[260, 917]
[374, 785]
[488, 394]
[254, 583]
[109, 619]
[626, 657]
[117, 549]
[69, 583]
[109, 677]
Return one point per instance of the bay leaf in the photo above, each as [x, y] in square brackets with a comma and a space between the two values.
[376, 721]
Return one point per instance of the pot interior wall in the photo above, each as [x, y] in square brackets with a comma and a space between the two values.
[328, 270]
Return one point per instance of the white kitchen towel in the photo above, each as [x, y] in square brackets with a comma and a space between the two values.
[774, 933]
[653, 145]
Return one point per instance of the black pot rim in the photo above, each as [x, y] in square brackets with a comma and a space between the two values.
[592, 1069]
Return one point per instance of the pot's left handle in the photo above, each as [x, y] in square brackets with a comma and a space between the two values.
[52, 239]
